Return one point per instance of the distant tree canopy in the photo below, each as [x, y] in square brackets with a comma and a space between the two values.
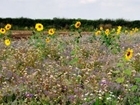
[62, 23]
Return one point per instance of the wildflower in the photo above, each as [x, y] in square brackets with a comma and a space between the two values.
[131, 32]
[136, 29]
[133, 29]
[101, 28]
[39, 27]
[2, 31]
[100, 98]
[97, 32]
[126, 31]
[77, 24]
[29, 95]
[107, 32]
[119, 27]
[119, 30]
[103, 82]
[128, 54]
[108, 98]
[7, 42]
[47, 40]
[51, 31]
[8, 26]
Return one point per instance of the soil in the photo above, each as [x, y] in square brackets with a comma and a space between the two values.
[17, 34]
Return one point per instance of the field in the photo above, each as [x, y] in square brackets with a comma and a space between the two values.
[70, 68]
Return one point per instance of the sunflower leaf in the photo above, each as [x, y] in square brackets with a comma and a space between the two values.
[120, 80]
[128, 72]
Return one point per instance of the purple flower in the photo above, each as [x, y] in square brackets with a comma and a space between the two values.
[103, 82]
[29, 95]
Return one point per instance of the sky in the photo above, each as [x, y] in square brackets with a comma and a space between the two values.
[84, 9]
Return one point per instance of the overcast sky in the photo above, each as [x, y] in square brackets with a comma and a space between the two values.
[84, 9]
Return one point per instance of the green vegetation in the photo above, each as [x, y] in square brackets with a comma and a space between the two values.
[101, 68]
[65, 24]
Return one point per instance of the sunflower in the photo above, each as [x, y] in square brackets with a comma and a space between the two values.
[107, 32]
[2, 31]
[8, 26]
[119, 27]
[97, 32]
[128, 54]
[51, 31]
[7, 42]
[101, 28]
[126, 31]
[47, 40]
[119, 30]
[39, 27]
[77, 24]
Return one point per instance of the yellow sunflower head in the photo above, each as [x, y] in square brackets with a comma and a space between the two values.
[7, 42]
[107, 32]
[97, 32]
[2, 31]
[8, 26]
[39, 27]
[47, 40]
[126, 31]
[118, 32]
[101, 28]
[119, 27]
[128, 54]
[51, 31]
[77, 24]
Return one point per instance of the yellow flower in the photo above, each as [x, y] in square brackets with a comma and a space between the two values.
[126, 31]
[133, 29]
[136, 29]
[77, 24]
[101, 28]
[131, 32]
[51, 31]
[47, 40]
[39, 27]
[97, 32]
[2, 31]
[128, 54]
[107, 32]
[8, 26]
[7, 42]
[119, 27]
[119, 30]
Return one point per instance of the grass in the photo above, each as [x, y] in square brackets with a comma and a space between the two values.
[69, 70]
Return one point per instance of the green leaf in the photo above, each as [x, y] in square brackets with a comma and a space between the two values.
[73, 61]
[116, 72]
[73, 52]
[120, 80]
[119, 64]
[128, 72]
[137, 80]
[133, 88]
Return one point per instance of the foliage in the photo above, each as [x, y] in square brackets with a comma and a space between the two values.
[64, 24]
[74, 69]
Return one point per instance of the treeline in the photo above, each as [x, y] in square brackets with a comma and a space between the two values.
[62, 23]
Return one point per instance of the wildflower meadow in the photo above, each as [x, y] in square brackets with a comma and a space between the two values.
[97, 68]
